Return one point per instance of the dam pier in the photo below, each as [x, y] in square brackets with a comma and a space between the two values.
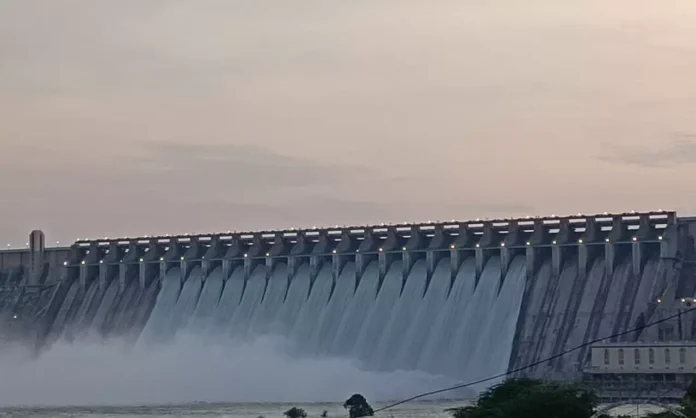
[464, 299]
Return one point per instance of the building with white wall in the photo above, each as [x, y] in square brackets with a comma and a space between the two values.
[659, 370]
[642, 358]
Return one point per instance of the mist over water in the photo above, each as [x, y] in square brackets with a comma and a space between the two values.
[192, 368]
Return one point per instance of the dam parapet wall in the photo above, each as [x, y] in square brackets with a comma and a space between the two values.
[582, 237]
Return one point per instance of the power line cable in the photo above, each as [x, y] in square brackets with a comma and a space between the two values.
[529, 366]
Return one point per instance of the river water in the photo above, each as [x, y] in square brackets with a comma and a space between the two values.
[238, 410]
[253, 410]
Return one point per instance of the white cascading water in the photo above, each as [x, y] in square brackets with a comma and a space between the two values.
[427, 310]
[380, 311]
[295, 299]
[186, 303]
[354, 315]
[308, 317]
[228, 304]
[401, 319]
[497, 331]
[207, 302]
[157, 328]
[443, 331]
[107, 301]
[265, 313]
[446, 325]
[331, 315]
[250, 301]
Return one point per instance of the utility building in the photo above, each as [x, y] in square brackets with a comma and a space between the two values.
[661, 370]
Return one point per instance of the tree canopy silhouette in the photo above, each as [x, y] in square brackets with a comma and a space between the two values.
[295, 413]
[358, 407]
[528, 398]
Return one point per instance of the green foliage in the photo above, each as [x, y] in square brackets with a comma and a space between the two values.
[295, 413]
[528, 398]
[688, 402]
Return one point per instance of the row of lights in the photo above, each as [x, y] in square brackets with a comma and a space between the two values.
[366, 226]
[453, 247]
[381, 225]
[683, 300]
[580, 241]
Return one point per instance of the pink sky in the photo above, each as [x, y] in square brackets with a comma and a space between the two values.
[170, 116]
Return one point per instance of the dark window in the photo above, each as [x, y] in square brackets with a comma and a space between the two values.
[682, 355]
[606, 356]
[636, 356]
[651, 356]
[621, 356]
[668, 356]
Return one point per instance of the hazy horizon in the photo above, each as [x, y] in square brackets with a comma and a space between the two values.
[132, 118]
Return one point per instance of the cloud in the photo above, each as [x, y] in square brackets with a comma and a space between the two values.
[679, 151]
[186, 169]
[178, 188]
[241, 167]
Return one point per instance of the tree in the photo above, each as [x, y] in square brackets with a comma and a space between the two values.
[295, 413]
[358, 407]
[688, 402]
[528, 398]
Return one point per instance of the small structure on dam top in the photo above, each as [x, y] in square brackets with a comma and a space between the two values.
[459, 298]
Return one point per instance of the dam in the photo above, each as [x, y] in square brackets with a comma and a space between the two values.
[462, 299]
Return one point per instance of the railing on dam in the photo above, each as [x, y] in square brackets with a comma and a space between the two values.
[557, 237]
[613, 235]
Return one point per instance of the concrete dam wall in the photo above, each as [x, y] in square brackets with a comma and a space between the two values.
[461, 299]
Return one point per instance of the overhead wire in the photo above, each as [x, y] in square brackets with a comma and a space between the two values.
[534, 364]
